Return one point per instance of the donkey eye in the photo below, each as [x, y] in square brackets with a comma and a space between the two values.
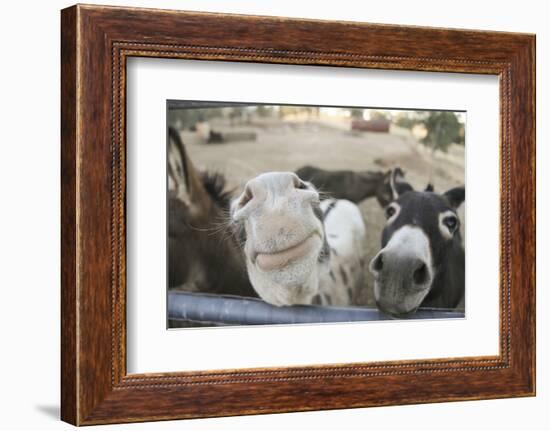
[451, 222]
[392, 212]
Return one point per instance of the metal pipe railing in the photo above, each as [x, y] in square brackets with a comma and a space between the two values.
[232, 310]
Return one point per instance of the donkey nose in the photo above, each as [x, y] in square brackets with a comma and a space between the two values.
[400, 267]
[254, 192]
[377, 264]
[415, 270]
[421, 274]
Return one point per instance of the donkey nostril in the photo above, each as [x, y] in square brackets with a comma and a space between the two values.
[420, 275]
[246, 197]
[378, 263]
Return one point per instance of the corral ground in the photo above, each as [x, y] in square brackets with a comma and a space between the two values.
[286, 146]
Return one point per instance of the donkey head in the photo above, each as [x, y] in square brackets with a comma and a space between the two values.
[279, 223]
[202, 256]
[421, 247]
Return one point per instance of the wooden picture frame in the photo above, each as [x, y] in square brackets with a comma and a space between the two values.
[95, 43]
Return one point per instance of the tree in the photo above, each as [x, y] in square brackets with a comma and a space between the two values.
[313, 111]
[264, 111]
[285, 111]
[443, 129]
[356, 112]
[378, 115]
[237, 115]
[407, 120]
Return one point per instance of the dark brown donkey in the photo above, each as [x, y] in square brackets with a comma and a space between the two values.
[350, 185]
[203, 255]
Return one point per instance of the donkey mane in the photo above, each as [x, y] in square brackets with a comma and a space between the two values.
[215, 185]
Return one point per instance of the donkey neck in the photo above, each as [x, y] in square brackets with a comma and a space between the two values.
[368, 182]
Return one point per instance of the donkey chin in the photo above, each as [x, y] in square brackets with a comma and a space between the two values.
[286, 275]
[401, 302]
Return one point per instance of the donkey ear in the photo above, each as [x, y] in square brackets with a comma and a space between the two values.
[178, 175]
[455, 196]
[393, 186]
[398, 184]
[383, 191]
[184, 180]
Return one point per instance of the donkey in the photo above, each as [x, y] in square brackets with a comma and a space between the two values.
[421, 262]
[350, 185]
[297, 249]
[202, 253]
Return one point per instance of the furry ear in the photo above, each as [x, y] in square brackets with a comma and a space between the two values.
[455, 196]
[383, 191]
[398, 184]
[393, 185]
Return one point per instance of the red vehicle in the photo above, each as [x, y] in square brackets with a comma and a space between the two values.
[379, 125]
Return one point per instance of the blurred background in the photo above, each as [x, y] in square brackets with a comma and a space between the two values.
[243, 140]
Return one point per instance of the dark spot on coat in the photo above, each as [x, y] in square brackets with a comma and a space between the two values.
[344, 275]
[330, 207]
[318, 212]
[324, 255]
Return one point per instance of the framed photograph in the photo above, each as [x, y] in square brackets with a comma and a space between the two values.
[284, 220]
[291, 208]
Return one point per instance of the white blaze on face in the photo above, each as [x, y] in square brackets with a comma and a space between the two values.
[409, 241]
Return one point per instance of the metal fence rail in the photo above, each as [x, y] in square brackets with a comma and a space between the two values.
[231, 310]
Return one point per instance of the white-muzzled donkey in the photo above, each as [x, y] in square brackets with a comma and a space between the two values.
[299, 250]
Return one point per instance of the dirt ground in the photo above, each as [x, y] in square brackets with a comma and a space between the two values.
[286, 146]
